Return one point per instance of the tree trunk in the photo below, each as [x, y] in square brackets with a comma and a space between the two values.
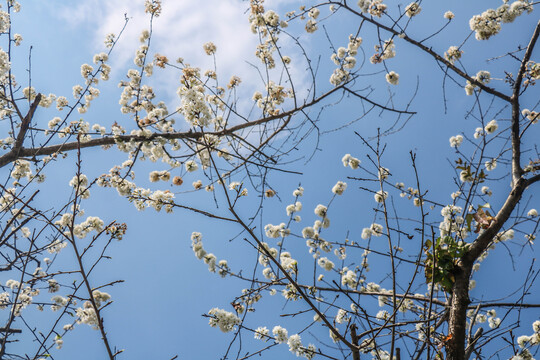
[457, 323]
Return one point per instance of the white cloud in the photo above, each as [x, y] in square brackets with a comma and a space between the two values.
[180, 31]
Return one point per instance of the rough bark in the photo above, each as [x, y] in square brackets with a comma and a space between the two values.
[457, 322]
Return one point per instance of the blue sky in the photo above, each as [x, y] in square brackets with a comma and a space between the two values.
[157, 310]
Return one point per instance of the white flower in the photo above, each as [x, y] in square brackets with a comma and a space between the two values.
[349, 62]
[376, 229]
[86, 70]
[382, 315]
[308, 232]
[366, 233]
[339, 76]
[491, 127]
[295, 344]
[314, 13]
[392, 78]
[489, 22]
[494, 322]
[18, 39]
[271, 18]
[234, 185]
[209, 48]
[275, 231]
[87, 315]
[268, 273]
[321, 210]
[53, 285]
[349, 279]
[532, 213]
[412, 9]
[383, 173]
[339, 188]
[287, 262]
[191, 165]
[469, 89]
[536, 326]
[466, 175]
[342, 316]
[325, 263]
[311, 26]
[483, 76]
[348, 160]
[449, 15]
[59, 342]
[280, 334]
[523, 340]
[261, 333]
[100, 297]
[225, 320]
[456, 141]
[380, 196]
[452, 54]
[13, 284]
[491, 164]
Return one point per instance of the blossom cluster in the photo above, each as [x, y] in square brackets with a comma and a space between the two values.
[456, 141]
[345, 59]
[412, 9]
[281, 336]
[222, 266]
[372, 7]
[527, 341]
[275, 95]
[452, 222]
[268, 25]
[21, 169]
[489, 22]
[192, 94]
[384, 52]
[374, 230]
[25, 296]
[351, 161]
[141, 198]
[87, 315]
[482, 77]
[225, 320]
[533, 116]
[92, 223]
[490, 316]
[453, 54]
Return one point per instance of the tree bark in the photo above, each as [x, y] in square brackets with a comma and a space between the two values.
[457, 322]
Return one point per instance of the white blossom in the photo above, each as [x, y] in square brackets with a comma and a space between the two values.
[225, 320]
[280, 334]
[392, 78]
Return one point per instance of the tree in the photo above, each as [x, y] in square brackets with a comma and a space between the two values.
[420, 215]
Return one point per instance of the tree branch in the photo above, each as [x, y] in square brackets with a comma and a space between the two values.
[517, 171]
[432, 53]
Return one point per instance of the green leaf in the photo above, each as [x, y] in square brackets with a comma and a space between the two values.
[469, 219]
